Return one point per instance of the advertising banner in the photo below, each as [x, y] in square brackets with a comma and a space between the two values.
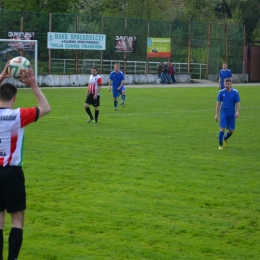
[158, 47]
[125, 43]
[76, 41]
[14, 44]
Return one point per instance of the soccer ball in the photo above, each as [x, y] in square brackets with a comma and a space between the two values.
[18, 66]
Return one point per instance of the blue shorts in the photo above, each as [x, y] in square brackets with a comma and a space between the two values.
[228, 122]
[117, 93]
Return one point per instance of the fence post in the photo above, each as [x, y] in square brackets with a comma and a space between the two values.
[49, 51]
[226, 43]
[101, 52]
[125, 51]
[209, 32]
[76, 52]
[21, 30]
[189, 39]
[147, 63]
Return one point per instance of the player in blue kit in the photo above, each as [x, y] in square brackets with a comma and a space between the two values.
[229, 100]
[116, 79]
[223, 74]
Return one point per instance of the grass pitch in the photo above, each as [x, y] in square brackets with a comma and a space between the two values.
[147, 182]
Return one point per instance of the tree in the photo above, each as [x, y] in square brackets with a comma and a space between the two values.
[197, 10]
[143, 9]
[249, 14]
[90, 7]
[52, 6]
[256, 33]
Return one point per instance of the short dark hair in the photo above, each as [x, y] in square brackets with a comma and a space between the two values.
[228, 80]
[94, 68]
[7, 92]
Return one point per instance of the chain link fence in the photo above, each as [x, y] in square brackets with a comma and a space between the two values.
[194, 42]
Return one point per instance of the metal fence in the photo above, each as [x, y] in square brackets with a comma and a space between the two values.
[67, 66]
[195, 42]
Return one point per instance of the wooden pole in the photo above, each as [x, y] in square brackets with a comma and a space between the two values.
[169, 34]
[77, 52]
[49, 51]
[209, 31]
[21, 30]
[227, 43]
[125, 32]
[147, 59]
[189, 43]
[101, 52]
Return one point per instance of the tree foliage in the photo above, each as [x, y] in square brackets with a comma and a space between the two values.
[144, 9]
[52, 6]
[90, 7]
[245, 12]
[256, 33]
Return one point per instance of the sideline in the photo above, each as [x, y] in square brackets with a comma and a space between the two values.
[197, 83]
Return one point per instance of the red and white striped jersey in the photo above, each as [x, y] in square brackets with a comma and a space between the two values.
[93, 83]
[12, 123]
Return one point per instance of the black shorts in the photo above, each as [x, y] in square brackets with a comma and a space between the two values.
[90, 100]
[12, 189]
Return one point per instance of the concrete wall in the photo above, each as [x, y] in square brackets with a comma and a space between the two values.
[82, 79]
[236, 78]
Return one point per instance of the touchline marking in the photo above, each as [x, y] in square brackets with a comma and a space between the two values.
[175, 112]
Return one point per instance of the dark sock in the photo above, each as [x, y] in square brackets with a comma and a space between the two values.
[115, 103]
[123, 98]
[227, 135]
[89, 112]
[96, 114]
[15, 243]
[1, 244]
[220, 138]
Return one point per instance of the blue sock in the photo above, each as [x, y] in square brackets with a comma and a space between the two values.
[227, 135]
[220, 138]
[123, 98]
[115, 103]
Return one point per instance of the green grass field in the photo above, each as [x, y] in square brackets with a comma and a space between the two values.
[147, 182]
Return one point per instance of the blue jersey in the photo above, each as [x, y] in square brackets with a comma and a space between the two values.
[116, 78]
[224, 74]
[228, 101]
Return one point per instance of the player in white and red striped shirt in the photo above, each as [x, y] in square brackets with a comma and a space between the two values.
[93, 95]
[12, 181]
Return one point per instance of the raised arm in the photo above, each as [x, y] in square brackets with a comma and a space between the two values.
[43, 103]
[5, 73]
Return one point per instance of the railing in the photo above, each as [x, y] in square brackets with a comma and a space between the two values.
[67, 66]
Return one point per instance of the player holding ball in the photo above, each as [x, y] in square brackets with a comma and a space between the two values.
[12, 181]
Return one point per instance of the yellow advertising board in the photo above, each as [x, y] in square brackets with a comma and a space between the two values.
[158, 47]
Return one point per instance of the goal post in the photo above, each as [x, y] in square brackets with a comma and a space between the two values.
[10, 48]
